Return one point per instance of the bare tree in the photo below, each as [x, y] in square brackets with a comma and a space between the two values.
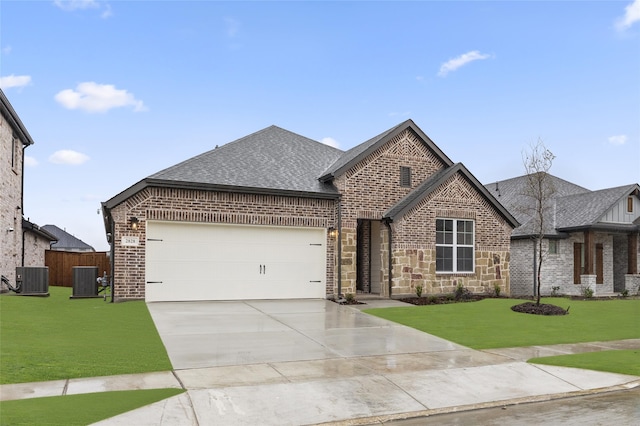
[540, 189]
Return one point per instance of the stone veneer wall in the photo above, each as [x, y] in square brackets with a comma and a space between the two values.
[413, 243]
[11, 190]
[184, 205]
[372, 186]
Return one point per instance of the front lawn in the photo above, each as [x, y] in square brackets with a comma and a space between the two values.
[78, 409]
[50, 338]
[622, 362]
[490, 323]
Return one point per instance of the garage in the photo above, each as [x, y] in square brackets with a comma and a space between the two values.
[196, 261]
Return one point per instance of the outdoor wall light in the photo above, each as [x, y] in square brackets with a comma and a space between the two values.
[134, 222]
[333, 232]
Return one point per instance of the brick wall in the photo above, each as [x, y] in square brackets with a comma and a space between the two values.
[11, 190]
[183, 205]
[372, 186]
[414, 243]
[34, 249]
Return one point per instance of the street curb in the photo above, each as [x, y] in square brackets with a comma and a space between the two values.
[471, 407]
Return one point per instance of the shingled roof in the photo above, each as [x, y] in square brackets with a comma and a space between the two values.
[588, 208]
[272, 158]
[270, 161]
[572, 207]
[66, 241]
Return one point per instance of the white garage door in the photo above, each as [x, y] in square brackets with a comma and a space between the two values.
[190, 261]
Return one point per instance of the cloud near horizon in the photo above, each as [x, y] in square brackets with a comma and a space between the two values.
[618, 139]
[93, 97]
[69, 157]
[331, 142]
[465, 58]
[631, 16]
[14, 81]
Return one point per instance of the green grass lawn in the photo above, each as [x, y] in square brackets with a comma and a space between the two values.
[78, 409]
[491, 323]
[50, 338]
[622, 362]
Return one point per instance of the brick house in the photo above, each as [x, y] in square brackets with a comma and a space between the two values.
[277, 215]
[591, 240]
[14, 139]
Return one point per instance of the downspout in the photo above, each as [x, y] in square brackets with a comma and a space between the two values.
[112, 250]
[22, 202]
[339, 248]
[388, 223]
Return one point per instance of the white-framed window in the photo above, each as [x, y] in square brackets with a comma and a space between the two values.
[455, 245]
[553, 247]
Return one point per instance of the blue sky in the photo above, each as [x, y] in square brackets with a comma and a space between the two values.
[113, 91]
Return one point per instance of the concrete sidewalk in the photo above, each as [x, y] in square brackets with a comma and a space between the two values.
[338, 383]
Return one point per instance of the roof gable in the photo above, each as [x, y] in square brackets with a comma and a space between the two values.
[588, 209]
[434, 182]
[358, 153]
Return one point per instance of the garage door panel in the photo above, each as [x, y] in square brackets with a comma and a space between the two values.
[230, 262]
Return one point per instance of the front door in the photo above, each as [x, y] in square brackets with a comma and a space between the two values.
[368, 256]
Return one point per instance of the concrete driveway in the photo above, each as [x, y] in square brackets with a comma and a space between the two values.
[215, 334]
[313, 361]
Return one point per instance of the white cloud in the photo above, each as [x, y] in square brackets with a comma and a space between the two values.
[30, 161]
[70, 5]
[73, 5]
[94, 97]
[465, 58]
[331, 142]
[618, 139]
[14, 81]
[631, 16]
[6, 50]
[67, 156]
[399, 114]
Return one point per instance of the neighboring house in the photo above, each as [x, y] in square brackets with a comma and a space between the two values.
[14, 139]
[36, 241]
[66, 241]
[591, 240]
[277, 215]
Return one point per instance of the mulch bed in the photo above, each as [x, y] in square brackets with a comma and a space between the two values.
[541, 309]
[440, 300]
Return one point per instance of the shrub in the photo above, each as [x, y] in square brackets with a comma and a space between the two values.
[349, 297]
[419, 290]
[587, 292]
[461, 293]
[554, 290]
[624, 293]
[497, 289]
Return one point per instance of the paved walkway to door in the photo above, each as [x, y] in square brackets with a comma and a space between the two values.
[313, 361]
